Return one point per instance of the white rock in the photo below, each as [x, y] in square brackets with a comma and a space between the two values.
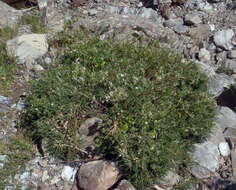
[45, 176]
[223, 39]
[38, 68]
[67, 173]
[212, 27]
[27, 47]
[204, 55]
[224, 149]
[24, 177]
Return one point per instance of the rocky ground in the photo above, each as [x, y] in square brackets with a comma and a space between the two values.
[203, 31]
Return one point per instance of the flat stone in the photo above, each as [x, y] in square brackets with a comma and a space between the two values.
[207, 156]
[9, 16]
[226, 118]
[97, 175]
[173, 22]
[27, 47]
[181, 29]
[223, 38]
[192, 19]
[200, 172]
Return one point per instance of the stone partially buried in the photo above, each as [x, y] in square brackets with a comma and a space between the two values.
[27, 47]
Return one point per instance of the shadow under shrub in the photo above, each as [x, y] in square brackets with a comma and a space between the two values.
[154, 106]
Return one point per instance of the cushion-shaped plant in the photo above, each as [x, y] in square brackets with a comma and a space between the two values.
[154, 106]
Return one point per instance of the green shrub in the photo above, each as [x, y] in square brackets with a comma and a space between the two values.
[154, 106]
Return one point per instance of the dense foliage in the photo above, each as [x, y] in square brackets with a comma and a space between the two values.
[154, 106]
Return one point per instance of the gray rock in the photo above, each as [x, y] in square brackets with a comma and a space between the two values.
[200, 172]
[205, 6]
[24, 177]
[25, 29]
[48, 60]
[223, 38]
[67, 173]
[171, 179]
[230, 133]
[9, 16]
[149, 14]
[21, 104]
[224, 149]
[55, 180]
[232, 54]
[122, 27]
[27, 47]
[192, 19]
[181, 29]
[97, 175]
[54, 19]
[92, 12]
[230, 65]
[207, 156]
[173, 22]
[215, 1]
[216, 82]
[5, 104]
[88, 131]
[42, 4]
[204, 55]
[216, 135]
[200, 33]
[124, 185]
[226, 118]
[129, 10]
[114, 10]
